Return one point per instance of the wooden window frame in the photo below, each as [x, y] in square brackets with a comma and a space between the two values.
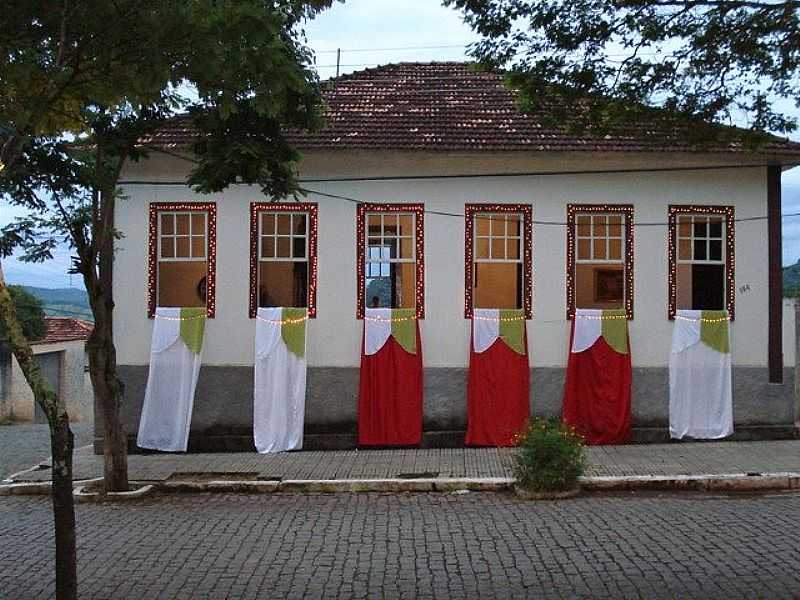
[526, 254]
[729, 252]
[310, 209]
[154, 243]
[418, 211]
[626, 210]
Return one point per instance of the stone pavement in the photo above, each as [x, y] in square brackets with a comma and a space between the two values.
[25, 444]
[676, 459]
[489, 545]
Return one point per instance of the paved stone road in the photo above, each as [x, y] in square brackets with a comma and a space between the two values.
[413, 546]
[22, 445]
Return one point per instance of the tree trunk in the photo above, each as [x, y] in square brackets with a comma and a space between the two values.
[61, 442]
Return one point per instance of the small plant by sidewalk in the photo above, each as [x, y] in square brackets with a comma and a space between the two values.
[548, 460]
[8, 420]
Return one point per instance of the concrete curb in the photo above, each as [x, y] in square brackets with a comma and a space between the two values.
[733, 482]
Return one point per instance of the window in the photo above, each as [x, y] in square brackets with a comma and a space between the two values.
[283, 255]
[701, 247]
[599, 257]
[182, 255]
[390, 257]
[497, 257]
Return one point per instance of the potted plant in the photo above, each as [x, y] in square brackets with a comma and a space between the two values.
[548, 460]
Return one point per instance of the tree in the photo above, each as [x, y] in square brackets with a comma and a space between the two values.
[85, 83]
[702, 60]
[30, 313]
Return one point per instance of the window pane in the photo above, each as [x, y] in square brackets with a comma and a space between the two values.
[268, 223]
[167, 247]
[198, 224]
[182, 224]
[407, 248]
[600, 249]
[512, 249]
[584, 249]
[299, 247]
[182, 283]
[715, 250]
[482, 225]
[482, 248]
[374, 243]
[599, 285]
[283, 248]
[390, 247]
[615, 249]
[584, 226]
[599, 226]
[700, 228]
[406, 223]
[699, 249]
[182, 247]
[498, 225]
[685, 249]
[374, 223]
[615, 227]
[684, 226]
[268, 247]
[284, 224]
[299, 223]
[512, 225]
[701, 287]
[393, 288]
[497, 285]
[282, 283]
[498, 248]
[198, 246]
[167, 223]
[715, 228]
[389, 224]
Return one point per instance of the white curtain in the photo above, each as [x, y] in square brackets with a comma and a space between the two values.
[377, 329]
[700, 391]
[588, 327]
[280, 388]
[169, 398]
[485, 328]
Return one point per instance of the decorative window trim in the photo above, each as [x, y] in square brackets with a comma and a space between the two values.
[725, 211]
[418, 210]
[256, 208]
[626, 210]
[470, 210]
[156, 208]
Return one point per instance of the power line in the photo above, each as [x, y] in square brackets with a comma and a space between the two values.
[393, 49]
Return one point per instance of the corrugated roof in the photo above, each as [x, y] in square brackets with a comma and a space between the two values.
[448, 106]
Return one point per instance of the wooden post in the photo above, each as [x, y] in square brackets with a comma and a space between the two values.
[775, 331]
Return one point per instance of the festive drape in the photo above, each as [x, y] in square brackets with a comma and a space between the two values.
[597, 393]
[498, 386]
[280, 379]
[390, 390]
[700, 393]
[174, 366]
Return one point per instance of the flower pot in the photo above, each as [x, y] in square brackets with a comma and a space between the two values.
[546, 495]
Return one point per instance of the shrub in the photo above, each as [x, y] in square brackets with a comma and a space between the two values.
[549, 456]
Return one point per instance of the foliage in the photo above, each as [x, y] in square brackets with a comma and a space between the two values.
[549, 456]
[30, 312]
[706, 60]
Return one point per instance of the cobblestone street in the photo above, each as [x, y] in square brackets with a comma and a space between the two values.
[413, 546]
[22, 445]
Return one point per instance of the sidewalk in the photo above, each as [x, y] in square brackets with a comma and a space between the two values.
[657, 466]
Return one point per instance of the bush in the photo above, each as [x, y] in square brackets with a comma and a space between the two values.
[30, 312]
[549, 456]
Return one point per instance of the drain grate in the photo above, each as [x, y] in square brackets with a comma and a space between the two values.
[270, 478]
[422, 475]
[213, 476]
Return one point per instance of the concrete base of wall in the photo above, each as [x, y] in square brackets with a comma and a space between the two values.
[223, 409]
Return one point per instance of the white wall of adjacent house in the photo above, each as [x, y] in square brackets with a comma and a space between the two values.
[334, 337]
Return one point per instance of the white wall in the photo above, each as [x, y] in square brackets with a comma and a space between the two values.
[334, 336]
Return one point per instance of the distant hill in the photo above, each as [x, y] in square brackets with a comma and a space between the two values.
[63, 302]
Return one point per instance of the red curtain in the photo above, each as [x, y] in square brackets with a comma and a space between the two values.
[498, 404]
[390, 396]
[597, 393]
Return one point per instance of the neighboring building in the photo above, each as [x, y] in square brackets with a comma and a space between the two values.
[61, 355]
[639, 220]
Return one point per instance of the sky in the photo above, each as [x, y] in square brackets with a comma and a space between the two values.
[372, 32]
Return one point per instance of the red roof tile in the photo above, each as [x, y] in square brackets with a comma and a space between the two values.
[449, 106]
[65, 329]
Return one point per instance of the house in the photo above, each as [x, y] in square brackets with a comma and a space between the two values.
[61, 355]
[429, 190]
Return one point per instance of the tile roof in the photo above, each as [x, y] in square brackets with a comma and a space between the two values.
[65, 329]
[447, 106]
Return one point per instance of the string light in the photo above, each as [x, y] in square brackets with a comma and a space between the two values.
[210, 208]
[527, 230]
[390, 319]
[626, 210]
[602, 317]
[500, 319]
[259, 208]
[702, 319]
[418, 210]
[166, 318]
[283, 322]
[730, 255]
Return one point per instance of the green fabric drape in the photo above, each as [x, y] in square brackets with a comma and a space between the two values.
[294, 334]
[193, 327]
[714, 330]
[615, 330]
[404, 328]
[512, 329]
